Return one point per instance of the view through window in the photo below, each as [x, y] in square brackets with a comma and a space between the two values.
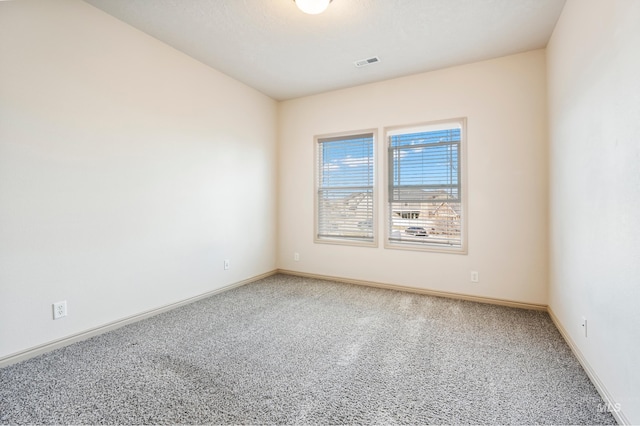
[425, 186]
[345, 188]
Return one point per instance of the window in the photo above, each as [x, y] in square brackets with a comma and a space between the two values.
[345, 189]
[426, 208]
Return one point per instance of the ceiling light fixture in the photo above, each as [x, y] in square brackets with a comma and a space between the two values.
[312, 7]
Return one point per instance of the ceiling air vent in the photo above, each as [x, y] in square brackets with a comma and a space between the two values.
[365, 62]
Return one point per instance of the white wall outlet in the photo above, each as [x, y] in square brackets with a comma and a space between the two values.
[584, 326]
[226, 264]
[475, 277]
[59, 309]
[296, 256]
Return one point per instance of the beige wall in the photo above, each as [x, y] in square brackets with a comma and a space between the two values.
[594, 110]
[504, 101]
[128, 172]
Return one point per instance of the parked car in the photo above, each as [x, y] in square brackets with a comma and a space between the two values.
[365, 224]
[418, 231]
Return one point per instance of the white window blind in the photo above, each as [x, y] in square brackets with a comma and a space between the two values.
[345, 182]
[425, 203]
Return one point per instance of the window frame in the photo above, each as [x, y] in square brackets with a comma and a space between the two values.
[317, 140]
[460, 122]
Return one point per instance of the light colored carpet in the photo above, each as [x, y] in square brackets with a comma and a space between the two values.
[290, 350]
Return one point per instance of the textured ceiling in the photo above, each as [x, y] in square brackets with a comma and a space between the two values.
[273, 47]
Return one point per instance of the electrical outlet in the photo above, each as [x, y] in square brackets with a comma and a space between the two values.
[296, 256]
[475, 277]
[226, 264]
[59, 310]
[584, 326]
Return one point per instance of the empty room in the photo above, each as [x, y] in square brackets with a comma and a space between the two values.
[319, 211]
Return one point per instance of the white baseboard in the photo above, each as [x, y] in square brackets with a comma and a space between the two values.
[59, 343]
[600, 387]
[449, 295]
[49, 346]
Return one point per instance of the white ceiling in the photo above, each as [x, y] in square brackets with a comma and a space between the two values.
[273, 47]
